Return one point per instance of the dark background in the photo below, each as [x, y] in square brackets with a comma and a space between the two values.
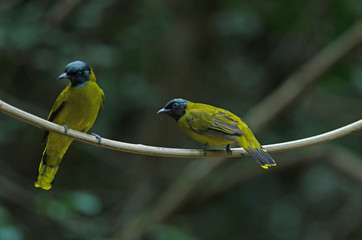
[231, 54]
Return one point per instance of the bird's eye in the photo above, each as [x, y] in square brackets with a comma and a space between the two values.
[78, 73]
[175, 105]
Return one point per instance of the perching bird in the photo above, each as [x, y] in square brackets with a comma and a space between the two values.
[214, 126]
[76, 107]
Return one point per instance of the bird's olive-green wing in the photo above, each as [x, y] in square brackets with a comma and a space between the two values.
[102, 103]
[214, 123]
[57, 107]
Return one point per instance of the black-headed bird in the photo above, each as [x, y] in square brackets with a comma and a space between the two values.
[214, 126]
[76, 107]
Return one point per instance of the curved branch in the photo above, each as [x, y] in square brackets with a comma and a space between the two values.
[173, 152]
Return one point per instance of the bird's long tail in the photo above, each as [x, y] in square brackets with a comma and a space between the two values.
[46, 173]
[261, 156]
[256, 151]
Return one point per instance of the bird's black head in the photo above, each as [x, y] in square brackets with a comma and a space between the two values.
[175, 108]
[77, 72]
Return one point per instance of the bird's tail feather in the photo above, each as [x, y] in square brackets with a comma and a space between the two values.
[261, 156]
[46, 174]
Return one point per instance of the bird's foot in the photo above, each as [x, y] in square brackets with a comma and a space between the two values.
[229, 150]
[99, 139]
[66, 129]
[204, 148]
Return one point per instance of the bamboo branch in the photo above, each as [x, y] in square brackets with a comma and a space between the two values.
[173, 152]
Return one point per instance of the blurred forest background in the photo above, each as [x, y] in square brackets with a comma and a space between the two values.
[238, 55]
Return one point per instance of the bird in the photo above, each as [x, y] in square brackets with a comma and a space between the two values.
[77, 108]
[213, 126]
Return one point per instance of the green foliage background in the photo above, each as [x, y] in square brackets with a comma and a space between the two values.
[227, 53]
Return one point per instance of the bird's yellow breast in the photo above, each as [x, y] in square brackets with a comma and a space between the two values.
[81, 106]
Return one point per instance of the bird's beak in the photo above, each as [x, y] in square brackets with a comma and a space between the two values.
[62, 76]
[163, 110]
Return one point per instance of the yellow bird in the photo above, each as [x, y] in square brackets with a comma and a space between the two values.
[214, 126]
[76, 107]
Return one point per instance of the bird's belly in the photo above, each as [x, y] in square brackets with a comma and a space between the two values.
[80, 112]
[74, 116]
[207, 139]
[77, 117]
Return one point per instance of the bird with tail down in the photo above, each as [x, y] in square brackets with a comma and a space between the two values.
[76, 107]
[214, 126]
